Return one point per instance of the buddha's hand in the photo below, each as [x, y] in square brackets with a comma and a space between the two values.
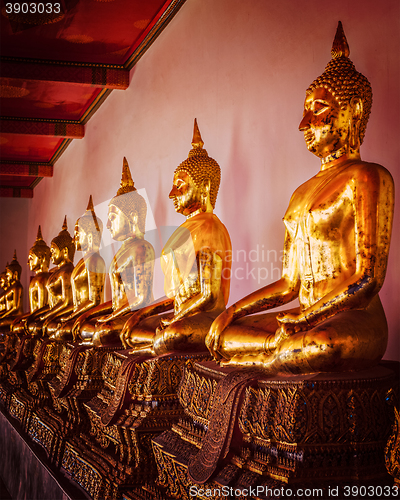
[77, 326]
[213, 338]
[290, 323]
[169, 320]
[125, 334]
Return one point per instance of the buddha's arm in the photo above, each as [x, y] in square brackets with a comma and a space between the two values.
[373, 195]
[42, 296]
[39, 312]
[273, 295]
[64, 301]
[96, 277]
[136, 292]
[23, 318]
[210, 268]
[100, 310]
[151, 310]
[16, 294]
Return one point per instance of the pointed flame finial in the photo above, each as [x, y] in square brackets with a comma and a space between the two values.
[39, 234]
[90, 205]
[64, 226]
[197, 141]
[340, 47]
[90, 212]
[15, 255]
[127, 184]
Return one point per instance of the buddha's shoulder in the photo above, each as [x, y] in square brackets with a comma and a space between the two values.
[203, 221]
[94, 259]
[365, 171]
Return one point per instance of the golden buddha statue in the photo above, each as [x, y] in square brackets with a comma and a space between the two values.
[195, 262]
[13, 296]
[58, 285]
[131, 271]
[38, 262]
[338, 228]
[88, 276]
[3, 286]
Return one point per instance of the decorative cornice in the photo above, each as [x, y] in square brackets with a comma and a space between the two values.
[26, 169]
[55, 128]
[15, 192]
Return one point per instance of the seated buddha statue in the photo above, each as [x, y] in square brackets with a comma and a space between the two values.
[87, 278]
[195, 262]
[13, 297]
[38, 262]
[131, 270]
[3, 286]
[58, 285]
[338, 228]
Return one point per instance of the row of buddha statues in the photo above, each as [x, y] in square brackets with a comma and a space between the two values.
[338, 228]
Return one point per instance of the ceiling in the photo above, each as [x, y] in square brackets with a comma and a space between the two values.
[57, 68]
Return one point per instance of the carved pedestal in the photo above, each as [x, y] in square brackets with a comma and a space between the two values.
[392, 451]
[303, 430]
[138, 401]
[78, 379]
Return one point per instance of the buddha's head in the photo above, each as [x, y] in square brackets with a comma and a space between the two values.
[3, 280]
[13, 270]
[337, 106]
[127, 210]
[196, 180]
[62, 248]
[88, 230]
[39, 254]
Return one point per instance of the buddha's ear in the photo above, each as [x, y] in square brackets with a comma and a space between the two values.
[207, 186]
[356, 107]
[90, 240]
[135, 219]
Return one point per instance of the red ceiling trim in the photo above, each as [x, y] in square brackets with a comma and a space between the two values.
[26, 169]
[12, 192]
[93, 75]
[38, 127]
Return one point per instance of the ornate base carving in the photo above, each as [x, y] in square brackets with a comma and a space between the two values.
[137, 402]
[293, 430]
[392, 450]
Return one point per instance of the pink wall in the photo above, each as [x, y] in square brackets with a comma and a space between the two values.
[242, 68]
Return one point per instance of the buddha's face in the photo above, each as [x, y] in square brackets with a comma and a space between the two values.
[118, 224]
[9, 276]
[56, 254]
[80, 239]
[185, 194]
[325, 125]
[33, 261]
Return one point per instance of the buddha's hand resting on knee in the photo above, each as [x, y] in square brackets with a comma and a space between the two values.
[291, 323]
[125, 334]
[213, 338]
